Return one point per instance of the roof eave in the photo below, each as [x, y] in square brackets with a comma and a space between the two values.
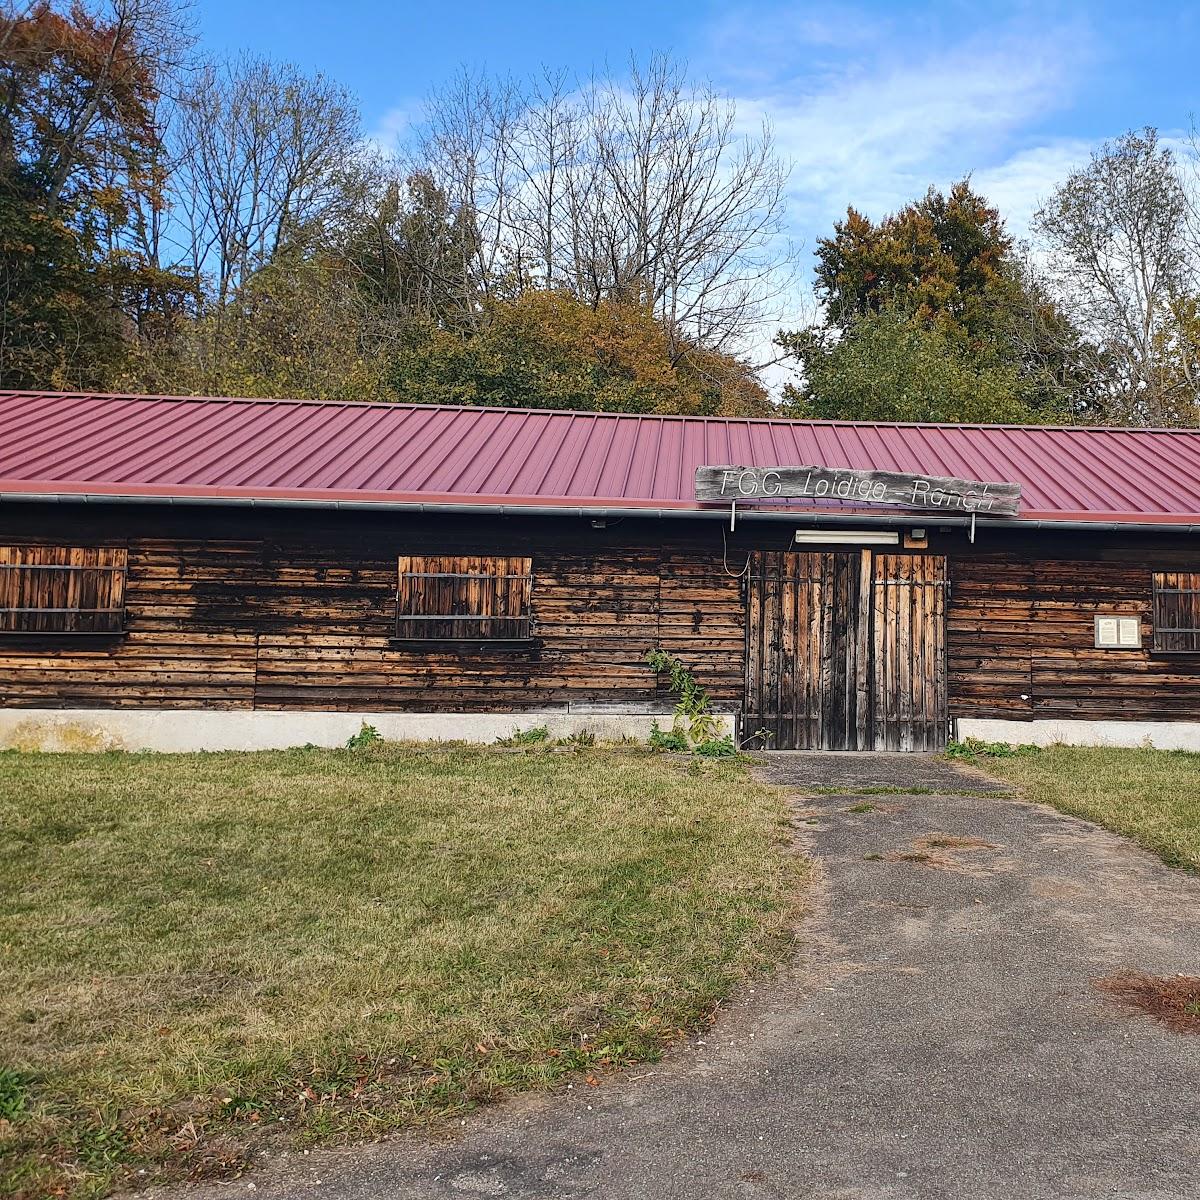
[597, 509]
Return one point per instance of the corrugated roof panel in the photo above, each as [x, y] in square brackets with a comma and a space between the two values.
[79, 443]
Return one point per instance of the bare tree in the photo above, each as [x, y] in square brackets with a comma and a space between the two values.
[1117, 233]
[644, 189]
[262, 151]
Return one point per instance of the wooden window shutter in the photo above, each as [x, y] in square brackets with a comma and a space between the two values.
[463, 598]
[62, 589]
[1177, 612]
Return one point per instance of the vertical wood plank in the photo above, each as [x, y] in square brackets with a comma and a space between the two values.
[863, 641]
[815, 595]
[752, 702]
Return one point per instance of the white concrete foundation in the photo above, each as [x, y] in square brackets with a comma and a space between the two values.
[182, 730]
[1161, 735]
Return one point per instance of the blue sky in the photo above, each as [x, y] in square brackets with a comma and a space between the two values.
[870, 103]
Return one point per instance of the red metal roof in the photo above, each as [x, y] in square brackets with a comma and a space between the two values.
[88, 445]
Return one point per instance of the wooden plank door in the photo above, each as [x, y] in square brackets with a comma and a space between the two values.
[845, 650]
[807, 683]
[908, 638]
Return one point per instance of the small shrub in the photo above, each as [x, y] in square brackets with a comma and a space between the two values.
[668, 739]
[579, 740]
[693, 711]
[14, 1095]
[367, 735]
[536, 736]
[977, 748]
[760, 739]
[722, 747]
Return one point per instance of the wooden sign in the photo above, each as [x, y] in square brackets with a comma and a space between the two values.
[930, 492]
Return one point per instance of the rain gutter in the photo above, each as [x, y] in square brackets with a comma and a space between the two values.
[602, 512]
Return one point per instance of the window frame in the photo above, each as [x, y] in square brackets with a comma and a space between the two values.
[1166, 583]
[515, 572]
[14, 596]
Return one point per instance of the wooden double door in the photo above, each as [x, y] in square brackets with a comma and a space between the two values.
[846, 651]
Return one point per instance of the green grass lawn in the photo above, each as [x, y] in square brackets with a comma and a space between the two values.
[201, 951]
[1151, 796]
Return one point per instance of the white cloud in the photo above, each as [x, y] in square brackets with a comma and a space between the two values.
[389, 132]
[1018, 185]
[870, 112]
[879, 134]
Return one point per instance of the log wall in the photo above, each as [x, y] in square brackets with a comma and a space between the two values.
[1021, 637]
[300, 618]
[241, 609]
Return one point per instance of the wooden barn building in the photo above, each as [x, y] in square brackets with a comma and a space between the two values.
[191, 572]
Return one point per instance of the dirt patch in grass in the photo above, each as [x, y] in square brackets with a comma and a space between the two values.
[1172, 1000]
[200, 953]
[939, 850]
[946, 841]
[868, 806]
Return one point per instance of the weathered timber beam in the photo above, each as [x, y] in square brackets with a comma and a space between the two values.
[937, 493]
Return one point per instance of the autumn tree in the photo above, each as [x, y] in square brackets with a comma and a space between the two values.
[299, 327]
[940, 280]
[78, 144]
[548, 349]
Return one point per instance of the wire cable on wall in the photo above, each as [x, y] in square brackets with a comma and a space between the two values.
[725, 558]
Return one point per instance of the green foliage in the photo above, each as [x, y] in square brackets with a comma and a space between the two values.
[299, 328]
[79, 150]
[14, 1094]
[888, 367]
[539, 735]
[931, 315]
[580, 740]
[101, 1146]
[977, 748]
[668, 739]
[721, 747]
[367, 735]
[694, 717]
[59, 328]
[547, 349]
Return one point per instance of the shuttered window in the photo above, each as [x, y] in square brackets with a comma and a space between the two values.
[442, 598]
[62, 589]
[1177, 612]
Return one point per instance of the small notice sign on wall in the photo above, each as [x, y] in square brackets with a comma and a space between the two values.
[1119, 633]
